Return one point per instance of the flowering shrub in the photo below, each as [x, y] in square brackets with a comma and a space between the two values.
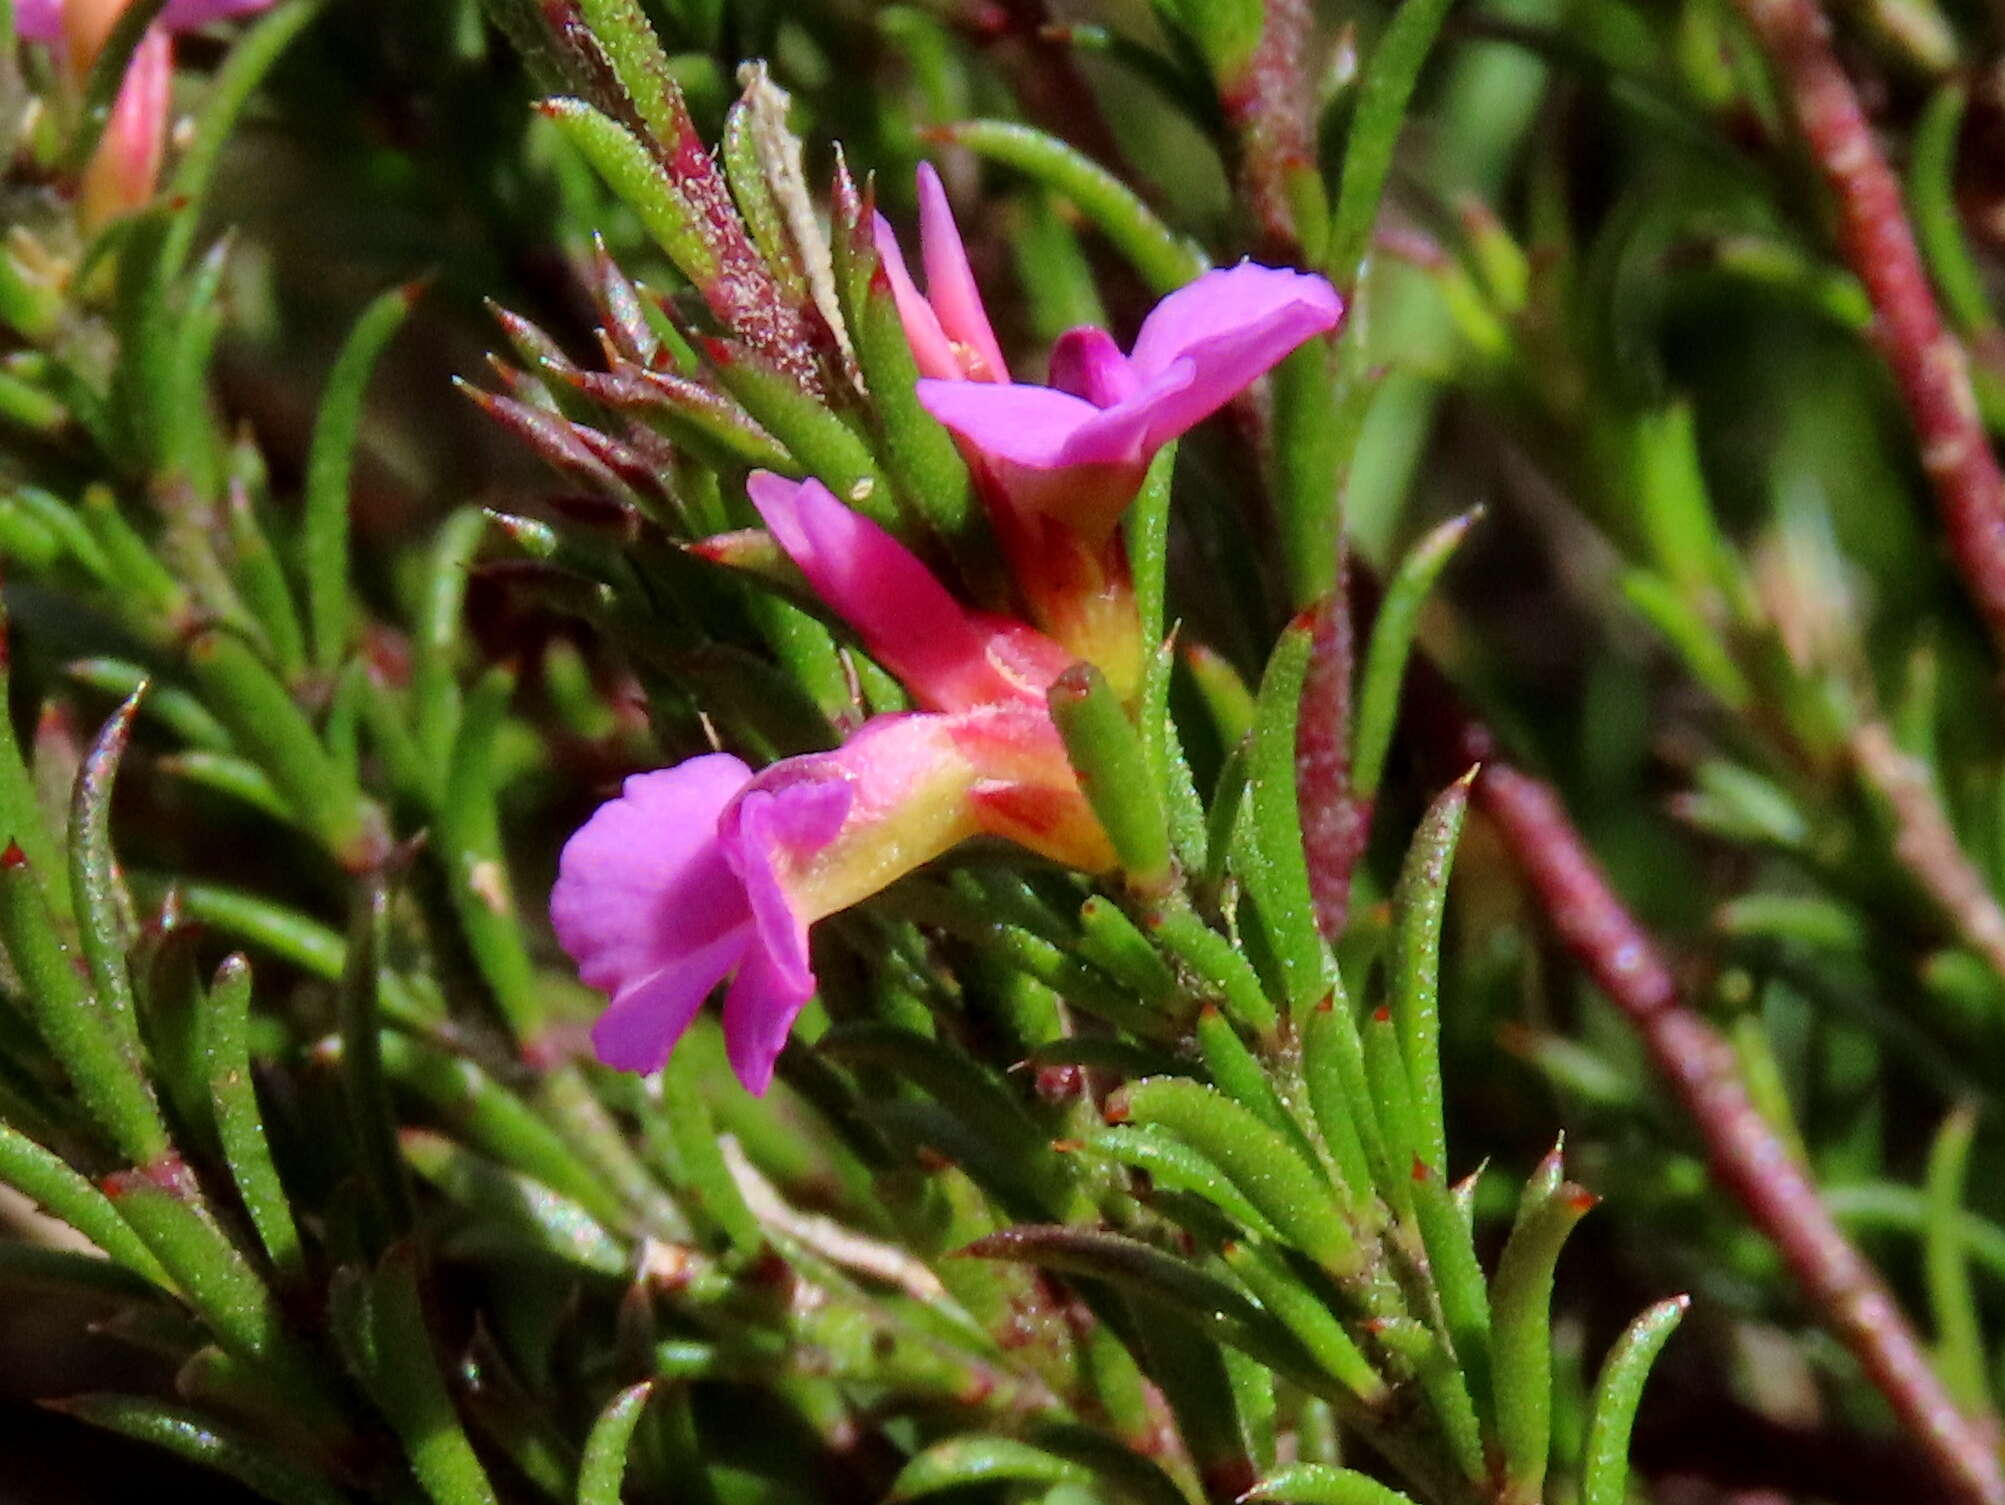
[757, 906]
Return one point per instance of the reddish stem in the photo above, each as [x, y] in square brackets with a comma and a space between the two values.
[1336, 825]
[1268, 107]
[1746, 1155]
[1929, 365]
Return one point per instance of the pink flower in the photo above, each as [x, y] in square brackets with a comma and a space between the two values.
[706, 871]
[701, 872]
[123, 172]
[947, 327]
[1057, 465]
[1077, 450]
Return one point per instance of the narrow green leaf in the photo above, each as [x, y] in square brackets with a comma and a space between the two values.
[372, 1126]
[47, 1180]
[161, 1204]
[638, 179]
[1937, 223]
[1217, 967]
[331, 457]
[1392, 644]
[1383, 92]
[1392, 1105]
[1304, 1313]
[605, 1462]
[1959, 1334]
[1604, 1476]
[622, 31]
[706, 1178]
[963, 1461]
[1418, 903]
[21, 819]
[925, 464]
[435, 695]
[230, 89]
[268, 727]
[1262, 1163]
[821, 444]
[1170, 1162]
[1165, 260]
[261, 579]
[108, 1081]
[175, 709]
[1446, 1235]
[1521, 1335]
[1321, 1484]
[469, 839]
[1106, 753]
[1111, 942]
[1239, 1074]
[1173, 1285]
[252, 1462]
[493, 1120]
[1274, 866]
[412, 1391]
[1333, 1070]
[224, 1026]
[102, 903]
[509, 1214]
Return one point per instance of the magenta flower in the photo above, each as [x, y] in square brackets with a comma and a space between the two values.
[706, 871]
[701, 872]
[1077, 450]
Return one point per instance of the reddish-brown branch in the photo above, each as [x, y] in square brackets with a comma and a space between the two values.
[1746, 1155]
[1873, 233]
[1268, 107]
[1336, 825]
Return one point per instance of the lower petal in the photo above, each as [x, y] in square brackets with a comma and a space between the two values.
[649, 1016]
[759, 1013]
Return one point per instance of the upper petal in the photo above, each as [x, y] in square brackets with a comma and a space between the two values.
[1087, 363]
[1236, 322]
[931, 348]
[643, 885]
[768, 833]
[950, 283]
[874, 583]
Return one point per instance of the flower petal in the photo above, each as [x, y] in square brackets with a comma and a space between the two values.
[39, 20]
[643, 885]
[874, 583]
[649, 1016]
[950, 283]
[1087, 363]
[931, 348]
[1014, 421]
[759, 1013]
[768, 834]
[1257, 313]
